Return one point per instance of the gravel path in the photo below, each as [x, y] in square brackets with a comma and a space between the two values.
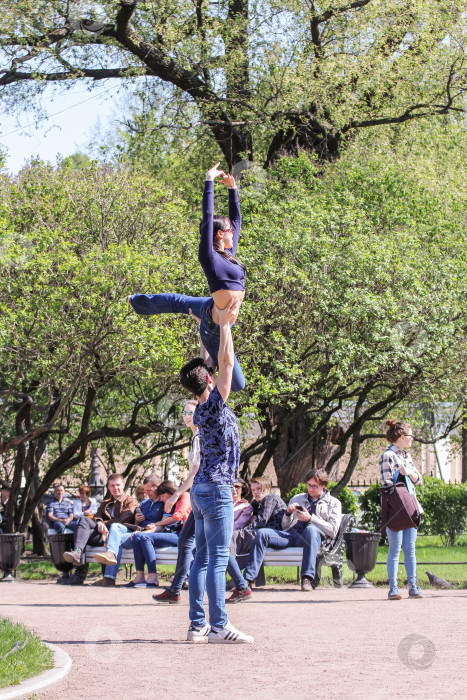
[328, 644]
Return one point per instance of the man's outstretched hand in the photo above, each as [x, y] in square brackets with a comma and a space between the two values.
[230, 313]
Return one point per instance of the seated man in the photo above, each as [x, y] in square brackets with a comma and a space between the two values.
[119, 508]
[309, 517]
[147, 515]
[59, 510]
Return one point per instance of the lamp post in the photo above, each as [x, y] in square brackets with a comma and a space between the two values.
[95, 482]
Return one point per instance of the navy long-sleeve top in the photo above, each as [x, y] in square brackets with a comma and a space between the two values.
[220, 273]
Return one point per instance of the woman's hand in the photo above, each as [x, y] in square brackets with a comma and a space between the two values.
[229, 180]
[214, 172]
[170, 502]
[195, 317]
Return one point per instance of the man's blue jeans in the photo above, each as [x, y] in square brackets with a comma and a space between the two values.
[119, 538]
[148, 304]
[213, 511]
[186, 546]
[309, 539]
[406, 538]
[58, 526]
[145, 545]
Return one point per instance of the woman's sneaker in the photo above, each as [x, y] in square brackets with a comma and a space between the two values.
[228, 635]
[394, 594]
[198, 634]
[415, 592]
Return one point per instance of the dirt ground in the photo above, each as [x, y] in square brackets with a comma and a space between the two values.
[327, 644]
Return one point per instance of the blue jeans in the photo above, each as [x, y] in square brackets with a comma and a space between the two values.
[145, 545]
[119, 538]
[73, 525]
[148, 304]
[235, 573]
[186, 546]
[406, 538]
[213, 511]
[58, 526]
[309, 539]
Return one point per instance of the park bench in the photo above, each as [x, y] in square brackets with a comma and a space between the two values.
[330, 554]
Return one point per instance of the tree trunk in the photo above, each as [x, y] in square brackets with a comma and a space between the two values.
[304, 136]
[464, 446]
[298, 451]
[39, 540]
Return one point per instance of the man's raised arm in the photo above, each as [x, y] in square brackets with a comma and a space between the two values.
[225, 357]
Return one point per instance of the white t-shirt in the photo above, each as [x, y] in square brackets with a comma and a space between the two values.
[194, 454]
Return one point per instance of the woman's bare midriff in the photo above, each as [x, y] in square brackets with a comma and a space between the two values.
[222, 298]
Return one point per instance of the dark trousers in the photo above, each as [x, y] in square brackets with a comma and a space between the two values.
[87, 533]
[186, 548]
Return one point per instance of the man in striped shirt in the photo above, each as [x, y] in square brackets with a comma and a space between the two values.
[60, 510]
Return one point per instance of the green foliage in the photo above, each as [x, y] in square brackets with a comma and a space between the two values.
[346, 497]
[24, 663]
[445, 507]
[73, 244]
[370, 508]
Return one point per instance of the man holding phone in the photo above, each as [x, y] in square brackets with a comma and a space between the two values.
[309, 517]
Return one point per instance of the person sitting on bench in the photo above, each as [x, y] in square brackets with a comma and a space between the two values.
[120, 507]
[309, 518]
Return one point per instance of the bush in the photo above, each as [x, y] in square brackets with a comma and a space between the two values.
[370, 508]
[346, 497]
[445, 507]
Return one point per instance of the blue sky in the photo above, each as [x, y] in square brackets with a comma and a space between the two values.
[73, 116]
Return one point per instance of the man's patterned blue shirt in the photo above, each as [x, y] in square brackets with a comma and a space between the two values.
[219, 441]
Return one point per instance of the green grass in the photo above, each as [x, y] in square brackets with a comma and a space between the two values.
[24, 663]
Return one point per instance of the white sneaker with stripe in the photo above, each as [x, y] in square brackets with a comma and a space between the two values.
[228, 635]
[198, 634]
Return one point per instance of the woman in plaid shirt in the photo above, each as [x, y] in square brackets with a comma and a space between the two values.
[397, 466]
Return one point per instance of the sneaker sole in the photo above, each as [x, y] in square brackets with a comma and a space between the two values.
[239, 600]
[219, 640]
[395, 597]
[197, 640]
[70, 559]
[102, 559]
[167, 602]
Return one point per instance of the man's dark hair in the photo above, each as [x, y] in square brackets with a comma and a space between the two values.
[193, 376]
[319, 475]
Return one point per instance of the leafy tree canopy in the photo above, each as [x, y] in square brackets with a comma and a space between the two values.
[266, 79]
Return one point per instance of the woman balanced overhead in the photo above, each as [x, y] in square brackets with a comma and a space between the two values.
[224, 273]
